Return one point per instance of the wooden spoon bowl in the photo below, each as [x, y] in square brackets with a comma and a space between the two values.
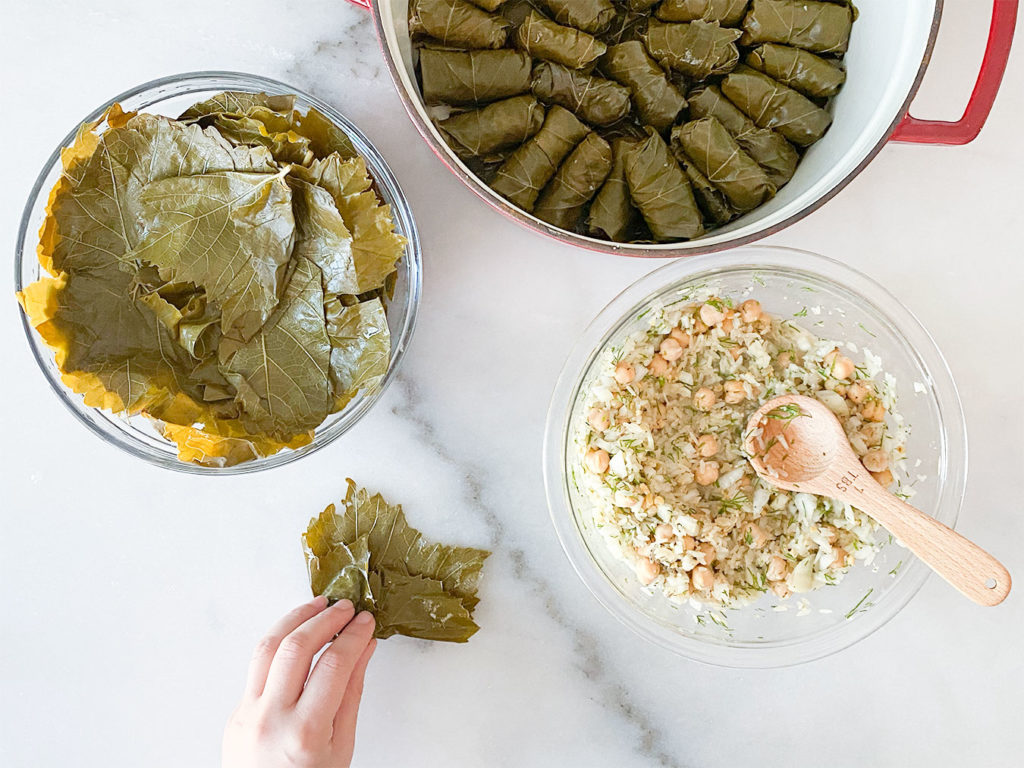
[796, 443]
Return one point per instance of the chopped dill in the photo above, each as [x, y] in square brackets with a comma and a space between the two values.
[857, 608]
[801, 313]
[896, 570]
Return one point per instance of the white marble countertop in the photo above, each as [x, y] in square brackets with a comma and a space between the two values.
[131, 596]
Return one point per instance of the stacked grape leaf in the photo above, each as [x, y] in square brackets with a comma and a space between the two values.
[369, 554]
[224, 274]
[632, 120]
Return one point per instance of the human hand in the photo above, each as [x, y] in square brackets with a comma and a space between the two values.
[293, 718]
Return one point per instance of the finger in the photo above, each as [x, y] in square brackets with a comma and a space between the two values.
[330, 677]
[290, 667]
[267, 647]
[345, 719]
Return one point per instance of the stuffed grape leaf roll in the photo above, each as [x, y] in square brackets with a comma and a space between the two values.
[658, 101]
[698, 49]
[488, 5]
[594, 99]
[718, 157]
[728, 13]
[503, 124]
[575, 183]
[544, 39]
[612, 212]
[710, 199]
[770, 149]
[820, 27]
[473, 77]
[528, 170]
[588, 15]
[799, 69]
[458, 23]
[770, 104]
[661, 191]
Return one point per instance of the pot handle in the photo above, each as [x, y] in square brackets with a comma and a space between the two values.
[966, 129]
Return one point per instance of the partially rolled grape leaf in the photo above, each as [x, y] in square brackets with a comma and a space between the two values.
[658, 101]
[528, 170]
[612, 212]
[591, 16]
[728, 13]
[770, 149]
[822, 27]
[719, 158]
[699, 49]
[771, 104]
[457, 23]
[575, 183]
[661, 191]
[413, 587]
[473, 77]
[568, 46]
[498, 126]
[593, 99]
[282, 375]
[799, 69]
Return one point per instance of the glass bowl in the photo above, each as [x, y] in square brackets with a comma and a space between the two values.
[852, 308]
[170, 96]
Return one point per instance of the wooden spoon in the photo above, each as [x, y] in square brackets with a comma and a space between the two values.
[796, 443]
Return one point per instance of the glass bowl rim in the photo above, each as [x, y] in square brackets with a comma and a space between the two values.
[593, 339]
[383, 177]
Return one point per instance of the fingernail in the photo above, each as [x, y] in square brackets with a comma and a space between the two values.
[343, 605]
[318, 600]
[364, 618]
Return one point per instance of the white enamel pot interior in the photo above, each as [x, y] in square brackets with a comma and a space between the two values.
[888, 54]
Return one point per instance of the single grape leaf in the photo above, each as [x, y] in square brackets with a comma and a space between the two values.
[230, 232]
[322, 236]
[282, 374]
[360, 345]
[376, 247]
[237, 102]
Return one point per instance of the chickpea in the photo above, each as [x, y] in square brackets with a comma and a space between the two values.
[873, 410]
[647, 570]
[597, 460]
[681, 336]
[664, 533]
[711, 315]
[658, 366]
[706, 473]
[624, 373]
[707, 445]
[750, 311]
[839, 366]
[734, 353]
[671, 349]
[884, 478]
[755, 534]
[784, 360]
[648, 501]
[841, 557]
[781, 589]
[704, 399]
[859, 391]
[777, 569]
[708, 550]
[703, 579]
[699, 326]
[689, 543]
[735, 392]
[727, 323]
[872, 432]
[598, 419]
[875, 461]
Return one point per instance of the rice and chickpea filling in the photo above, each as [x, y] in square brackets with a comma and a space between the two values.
[662, 460]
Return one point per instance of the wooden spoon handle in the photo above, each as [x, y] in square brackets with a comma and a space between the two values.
[959, 561]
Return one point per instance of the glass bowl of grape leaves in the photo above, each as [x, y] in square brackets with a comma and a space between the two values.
[218, 273]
